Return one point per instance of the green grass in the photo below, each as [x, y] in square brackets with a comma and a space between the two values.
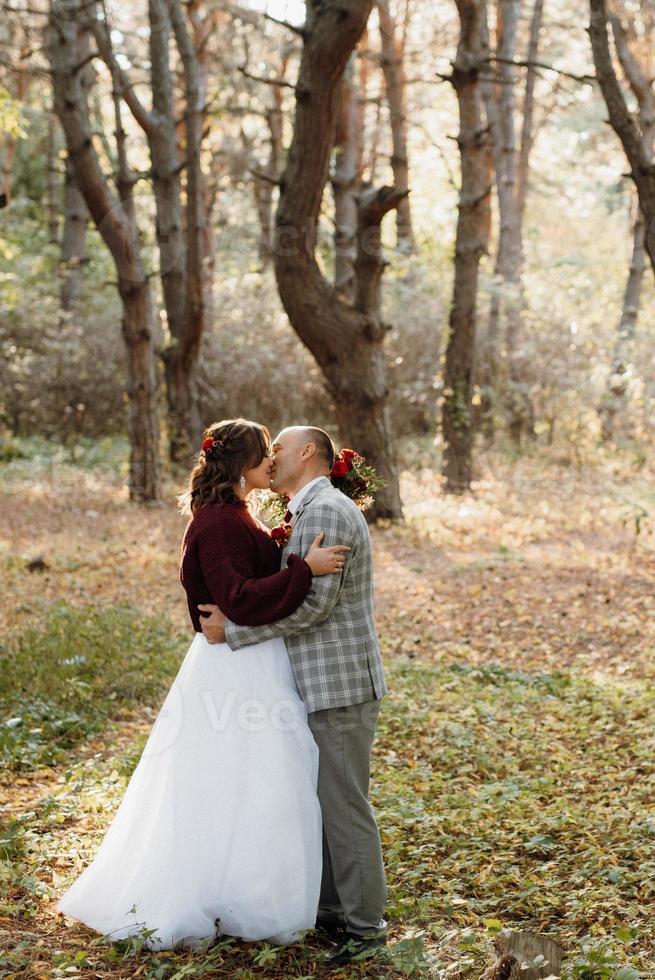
[505, 799]
[25, 456]
[62, 679]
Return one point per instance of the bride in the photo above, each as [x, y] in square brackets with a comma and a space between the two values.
[219, 831]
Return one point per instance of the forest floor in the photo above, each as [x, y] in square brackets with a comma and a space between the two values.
[514, 772]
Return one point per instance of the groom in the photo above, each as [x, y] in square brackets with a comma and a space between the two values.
[334, 653]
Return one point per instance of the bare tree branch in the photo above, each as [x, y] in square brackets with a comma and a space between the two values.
[124, 87]
[586, 79]
[300, 31]
[280, 82]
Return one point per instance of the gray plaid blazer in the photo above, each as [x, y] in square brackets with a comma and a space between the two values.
[331, 638]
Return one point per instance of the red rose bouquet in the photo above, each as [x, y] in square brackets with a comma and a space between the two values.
[355, 477]
[350, 473]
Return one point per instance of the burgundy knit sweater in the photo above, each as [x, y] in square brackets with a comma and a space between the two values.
[229, 559]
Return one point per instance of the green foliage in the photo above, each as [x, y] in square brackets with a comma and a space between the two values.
[408, 956]
[11, 118]
[62, 376]
[60, 680]
[597, 964]
[513, 798]
[34, 456]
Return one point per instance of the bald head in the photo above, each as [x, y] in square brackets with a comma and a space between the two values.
[310, 435]
[302, 452]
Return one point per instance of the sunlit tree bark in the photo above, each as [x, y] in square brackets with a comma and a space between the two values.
[638, 74]
[622, 122]
[347, 341]
[501, 358]
[471, 243]
[346, 179]
[393, 69]
[179, 226]
[120, 235]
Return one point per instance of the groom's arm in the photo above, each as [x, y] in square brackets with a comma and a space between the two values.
[325, 590]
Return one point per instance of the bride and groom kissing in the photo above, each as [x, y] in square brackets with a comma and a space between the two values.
[258, 830]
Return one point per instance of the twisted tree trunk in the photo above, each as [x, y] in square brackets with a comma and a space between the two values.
[346, 341]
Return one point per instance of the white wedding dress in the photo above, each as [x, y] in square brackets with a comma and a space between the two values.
[219, 831]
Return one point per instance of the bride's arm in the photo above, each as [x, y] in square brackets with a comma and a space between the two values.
[324, 594]
[228, 567]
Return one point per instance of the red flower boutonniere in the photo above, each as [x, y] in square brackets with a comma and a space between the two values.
[281, 534]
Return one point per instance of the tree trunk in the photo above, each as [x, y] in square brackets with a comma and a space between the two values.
[614, 400]
[527, 129]
[524, 955]
[76, 215]
[9, 151]
[179, 272]
[265, 180]
[500, 374]
[162, 140]
[73, 240]
[639, 78]
[345, 186]
[194, 306]
[471, 243]
[393, 69]
[347, 342]
[501, 364]
[120, 236]
[52, 180]
[622, 122]
[525, 418]
[204, 23]
[363, 62]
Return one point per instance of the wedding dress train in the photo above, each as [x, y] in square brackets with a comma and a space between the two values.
[219, 830]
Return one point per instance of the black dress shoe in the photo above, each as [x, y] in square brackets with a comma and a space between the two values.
[354, 947]
[329, 929]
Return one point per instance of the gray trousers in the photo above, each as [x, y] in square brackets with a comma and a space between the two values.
[353, 889]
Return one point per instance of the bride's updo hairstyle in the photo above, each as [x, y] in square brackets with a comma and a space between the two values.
[228, 448]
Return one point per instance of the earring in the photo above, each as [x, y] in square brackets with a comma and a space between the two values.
[242, 482]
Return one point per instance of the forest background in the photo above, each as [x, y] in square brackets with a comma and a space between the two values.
[410, 223]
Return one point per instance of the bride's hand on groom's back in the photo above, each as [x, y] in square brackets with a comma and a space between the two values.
[213, 623]
[324, 561]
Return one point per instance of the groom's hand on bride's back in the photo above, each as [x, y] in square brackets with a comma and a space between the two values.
[212, 622]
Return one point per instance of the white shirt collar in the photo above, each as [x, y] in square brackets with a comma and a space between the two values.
[297, 498]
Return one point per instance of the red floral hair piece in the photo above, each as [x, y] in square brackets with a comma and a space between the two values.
[210, 443]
